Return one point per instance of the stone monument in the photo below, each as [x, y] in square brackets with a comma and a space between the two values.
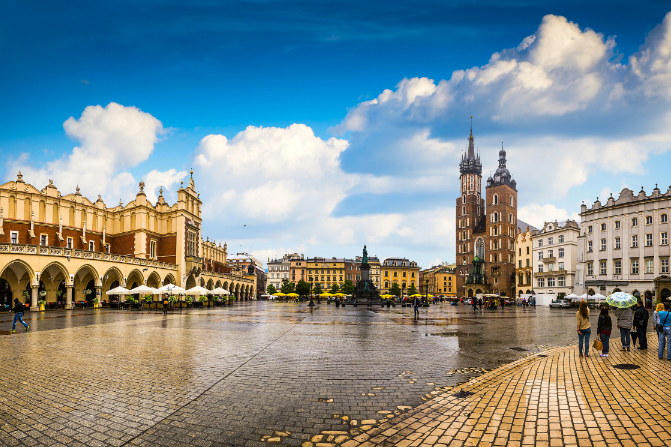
[365, 291]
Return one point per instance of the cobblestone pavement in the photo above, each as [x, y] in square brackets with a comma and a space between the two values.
[550, 399]
[256, 373]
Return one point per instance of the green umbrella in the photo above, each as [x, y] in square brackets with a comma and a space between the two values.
[621, 300]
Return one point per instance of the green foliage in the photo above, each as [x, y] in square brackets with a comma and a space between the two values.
[189, 300]
[131, 299]
[147, 298]
[395, 290]
[41, 302]
[287, 287]
[271, 289]
[317, 289]
[348, 287]
[96, 300]
[25, 294]
[202, 298]
[172, 299]
[334, 289]
[412, 290]
[303, 288]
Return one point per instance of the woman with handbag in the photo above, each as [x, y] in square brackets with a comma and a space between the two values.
[584, 328]
[603, 328]
[663, 329]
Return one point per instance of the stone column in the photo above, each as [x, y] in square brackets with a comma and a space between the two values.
[33, 298]
[68, 296]
[99, 293]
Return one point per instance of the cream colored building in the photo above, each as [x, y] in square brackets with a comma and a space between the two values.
[524, 268]
[554, 256]
[60, 248]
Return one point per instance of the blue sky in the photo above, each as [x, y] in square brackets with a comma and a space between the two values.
[322, 170]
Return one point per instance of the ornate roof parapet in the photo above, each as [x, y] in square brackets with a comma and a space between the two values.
[627, 196]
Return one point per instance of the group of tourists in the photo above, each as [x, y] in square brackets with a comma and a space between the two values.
[633, 325]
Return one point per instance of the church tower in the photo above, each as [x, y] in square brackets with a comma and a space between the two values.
[470, 206]
[501, 227]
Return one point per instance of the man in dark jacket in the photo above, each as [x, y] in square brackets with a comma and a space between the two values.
[415, 303]
[18, 315]
[641, 323]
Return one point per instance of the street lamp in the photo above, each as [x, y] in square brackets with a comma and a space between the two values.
[312, 303]
[426, 290]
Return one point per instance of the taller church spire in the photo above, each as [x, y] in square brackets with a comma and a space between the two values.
[470, 164]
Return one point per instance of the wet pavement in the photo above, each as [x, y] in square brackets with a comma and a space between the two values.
[255, 373]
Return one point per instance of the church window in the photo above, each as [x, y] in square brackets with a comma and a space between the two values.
[478, 211]
[512, 203]
[471, 178]
[463, 210]
[480, 248]
[496, 199]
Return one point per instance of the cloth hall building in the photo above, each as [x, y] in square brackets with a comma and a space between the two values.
[486, 228]
[64, 248]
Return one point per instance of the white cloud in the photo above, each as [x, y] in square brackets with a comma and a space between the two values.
[155, 180]
[536, 215]
[111, 138]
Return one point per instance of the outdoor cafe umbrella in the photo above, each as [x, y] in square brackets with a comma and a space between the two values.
[220, 291]
[280, 294]
[572, 297]
[293, 295]
[143, 290]
[118, 291]
[598, 297]
[621, 300]
[197, 290]
[171, 289]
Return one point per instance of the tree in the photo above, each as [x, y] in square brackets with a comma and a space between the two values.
[288, 287]
[395, 290]
[412, 290]
[303, 288]
[334, 288]
[317, 289]
[271, 289]
[348, 287]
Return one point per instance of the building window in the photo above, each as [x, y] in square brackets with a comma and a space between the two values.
[496, 199]
[550, 253]
[520, 279]
[540, 255]
[92, 246]
[560, 238]
[665, 266]
[540, 242]
[663, 218]
[589, 229]
[617, 224]
[561, 266]
[634, 222]
[634, 266]
[648, 220]
[664, 238]
[527, 250]
[44, 240]
[648, 240]
[540, 268]
[551, 282]
[69, 243]
[14, 237]
[520, 261]
[590, 269]
[602, 267]
[603, 227]
[617, 242]
[589, 245]
[634, 241]
[528, 262]
[561, 281]
[649, 266]
[549, 241]
[551, 267]
[618, 267]
[561, 252]
[463, 210]
[152, 249]
[541, 282]
[191, 244]
[107, 248]
[603, 244]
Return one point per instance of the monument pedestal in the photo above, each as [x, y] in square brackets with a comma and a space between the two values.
[365, 292]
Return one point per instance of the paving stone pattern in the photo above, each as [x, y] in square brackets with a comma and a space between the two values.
[256, 373]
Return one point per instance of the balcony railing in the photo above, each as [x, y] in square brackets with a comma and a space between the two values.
[550, 259]
[82, 254]
[552, 273]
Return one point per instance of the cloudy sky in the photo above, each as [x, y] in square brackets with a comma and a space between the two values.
[316, 127]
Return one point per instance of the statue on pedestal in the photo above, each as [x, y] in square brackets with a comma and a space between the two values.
[365, 255]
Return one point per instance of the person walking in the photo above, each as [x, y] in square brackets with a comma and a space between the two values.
[624, 321]
[665, 333]
[584, 328]
[415, 303]
[641, 317]
[474, 303]
[655, 315]
[18, 315]
[603, 328]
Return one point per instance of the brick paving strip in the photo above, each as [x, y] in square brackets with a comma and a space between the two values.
[558, 400]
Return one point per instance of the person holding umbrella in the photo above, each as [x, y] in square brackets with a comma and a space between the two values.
[623, 303]
[641, 323]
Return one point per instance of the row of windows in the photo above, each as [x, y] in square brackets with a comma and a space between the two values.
[551, 267]
[275, 268]
[560, 240]
[386, 274]
[561, 282]
[403, 285]
[560, 254]
[521, 251]
[663, 240]
[521, 276]
[44, 242]
[617, 267]
[663, 218]
[528, 263]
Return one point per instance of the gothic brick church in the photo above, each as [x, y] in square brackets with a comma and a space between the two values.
[486, 228]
